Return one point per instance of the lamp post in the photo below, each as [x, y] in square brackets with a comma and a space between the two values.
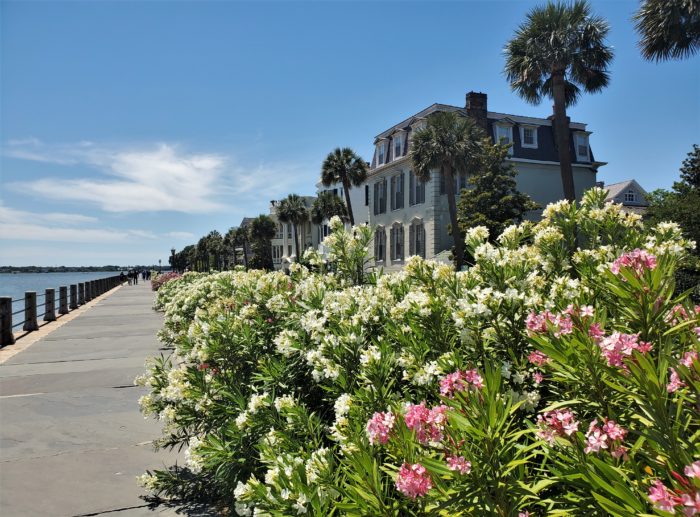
[172, 258]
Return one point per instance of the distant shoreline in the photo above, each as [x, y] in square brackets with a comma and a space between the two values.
[69, 269]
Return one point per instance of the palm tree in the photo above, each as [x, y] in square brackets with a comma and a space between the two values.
[345, 167]
[292, 210]
[448, 143]
[670, 29]
[202, 254]
[559, 50]
[262, 229]
[231, 246]
[215, 245]
[325, 206]
[242, 239]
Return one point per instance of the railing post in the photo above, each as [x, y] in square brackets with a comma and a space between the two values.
[81, 293]
[63, 300]
[30, 322]
[73, 297]
[50, 307]
[6, 335]
[88, 291]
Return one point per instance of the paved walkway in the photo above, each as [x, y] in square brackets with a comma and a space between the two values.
[72, 439]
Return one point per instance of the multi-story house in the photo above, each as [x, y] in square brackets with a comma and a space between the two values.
[411, 217]
[283, 244]
[629, 194]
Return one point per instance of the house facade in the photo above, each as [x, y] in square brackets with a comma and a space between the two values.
[283, 244]
[629, 194]
[412, 218]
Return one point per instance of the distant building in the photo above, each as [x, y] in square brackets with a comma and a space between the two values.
[629, 194]
[283, 247]
[411, 217]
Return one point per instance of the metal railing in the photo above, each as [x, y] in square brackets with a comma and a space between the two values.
[69, 298]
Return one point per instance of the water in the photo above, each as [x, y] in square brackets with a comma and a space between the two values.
[15, 284]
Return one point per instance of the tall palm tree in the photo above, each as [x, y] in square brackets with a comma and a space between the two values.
[670, 29]
[292, 210]
[557, 52]
[202, 254]
[345, 167]
[448, 143]
[325, 206]
[231, 246]
[215, 245]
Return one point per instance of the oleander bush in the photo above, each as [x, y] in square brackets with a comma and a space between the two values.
[556, 375]
[159, 280]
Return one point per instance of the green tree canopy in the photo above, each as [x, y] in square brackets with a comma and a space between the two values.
[448, 143]
[262, 229]
[345, 167]
[559, 52]
[493, 200]
[669, 29]
[325, 206]
[292, 210]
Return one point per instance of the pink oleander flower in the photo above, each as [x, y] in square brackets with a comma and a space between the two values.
[413, 480]
[693, 470]
[677, 314]
[596, 332]
[690, 503]
[689, 358]
[537, 323]
[675, 383]
[638, 261]
[538, 377]
[607, 436]
[564, 325]
[617, 347]
[620, 452]
[595, 441]
[538, 358]
[661, 497]
[379, 427]
[460, 381]
[428, 424]
[460, 464]
[586, 311]
[524, 514]
[559, 422]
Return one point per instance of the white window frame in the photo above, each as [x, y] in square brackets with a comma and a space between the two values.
[522, 137]
[400, 137]
[380, 236]
[500, 126]
[381, 153]
[581, 138]
[630, 196]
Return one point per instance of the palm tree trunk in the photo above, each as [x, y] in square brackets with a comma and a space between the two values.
[448, 176]
[348, 206]
[295, 228]
[561, 126]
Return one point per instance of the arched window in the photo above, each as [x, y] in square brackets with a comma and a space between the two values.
[380, 244]
[416, 238]
[396, 241]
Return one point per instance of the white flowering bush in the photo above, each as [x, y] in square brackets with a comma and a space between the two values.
[557, 374]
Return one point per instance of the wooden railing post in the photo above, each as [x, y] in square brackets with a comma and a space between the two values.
[81, 293]
[88, 291]
[73, 297]
[63, 300]
[30, 322]
[6, 335]
[50, 307]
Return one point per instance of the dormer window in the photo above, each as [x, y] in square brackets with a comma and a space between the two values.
[381, 153]
[581, 145]
[503, 133]
[630, 196]
[398, 144]
[528, 137]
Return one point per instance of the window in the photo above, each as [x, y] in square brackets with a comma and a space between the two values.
[380, 197]
[366, 195]
[416, 239]
[528, 136]
[381, 153]
[416, 190]
[397, 191]
[380, 245]
[504, 134]
[397, 242]
[630, 196]
[289, 250]
[289, 231]
[276, 254]
[280, 231]
[581, 143]
[398, 144]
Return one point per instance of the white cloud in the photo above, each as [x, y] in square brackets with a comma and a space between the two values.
[180, 235]
[156, 178]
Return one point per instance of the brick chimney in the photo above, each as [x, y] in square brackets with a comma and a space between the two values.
[477, 108]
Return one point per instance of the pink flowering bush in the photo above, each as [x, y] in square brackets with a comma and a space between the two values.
[558, 374]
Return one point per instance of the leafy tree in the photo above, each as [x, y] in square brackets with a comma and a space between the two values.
[215, 246]
[292, 210]
[346, 167]
[448, 143]
[325, 206]
[682, 203]
[202, 262]
[262, 229]
[559, 51]
[231, 246]
[493, 200]
[669, 29]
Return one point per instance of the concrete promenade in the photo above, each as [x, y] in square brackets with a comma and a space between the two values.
[72, 439]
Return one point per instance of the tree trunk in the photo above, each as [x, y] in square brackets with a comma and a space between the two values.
[295, 229]
[245, 255]
[348, 206]
[448, 177]
[561, 127]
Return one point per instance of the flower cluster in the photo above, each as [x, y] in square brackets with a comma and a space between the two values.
[379, 427]
[413, 480]
[638, 261]
[460, 381]
[681, 501]
[618, 346]
[607, 436]
[559, 422]
[428, 424]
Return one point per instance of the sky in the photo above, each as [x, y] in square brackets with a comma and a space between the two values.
[128, 128]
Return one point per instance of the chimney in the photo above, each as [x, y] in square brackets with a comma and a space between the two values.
[477, 108]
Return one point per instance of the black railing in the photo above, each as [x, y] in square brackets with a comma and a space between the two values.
[69, 298]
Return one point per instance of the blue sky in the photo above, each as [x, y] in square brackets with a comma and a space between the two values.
[131, 127]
